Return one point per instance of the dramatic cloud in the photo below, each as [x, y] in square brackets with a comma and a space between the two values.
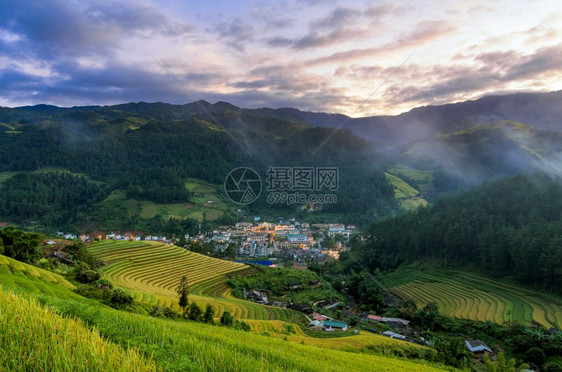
[314, 55]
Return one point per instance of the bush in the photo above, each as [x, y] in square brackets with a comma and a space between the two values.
[163, 312]
[102, 283]
[195, 312]
[209, 314]
[88, 291]
[84, 274]
[244, 326]
[535, 355]
[552, 367]
[227, 319]
[120, 298]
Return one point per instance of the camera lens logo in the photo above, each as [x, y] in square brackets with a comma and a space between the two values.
[242, 185]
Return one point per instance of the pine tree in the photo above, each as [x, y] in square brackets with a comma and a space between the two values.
[183, 292]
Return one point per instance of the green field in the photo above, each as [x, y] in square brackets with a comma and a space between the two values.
[407, 195]
[202, 193]
[150, 272]
[468, 296]
[63, 331]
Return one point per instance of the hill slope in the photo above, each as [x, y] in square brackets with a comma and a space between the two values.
[138, 342]
[507, 228]
[148, 152]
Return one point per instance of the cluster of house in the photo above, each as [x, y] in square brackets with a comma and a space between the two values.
[265, 239]
[288, 239]
[114, 236]
[326, 323]
[400, 327]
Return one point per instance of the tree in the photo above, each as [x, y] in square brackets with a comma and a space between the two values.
[535, 355]
[501, 365]
[209, 315]
[426, 316]
[195, 312]
[84, 274]
[227, 319]
[183, 292]
[120, 298]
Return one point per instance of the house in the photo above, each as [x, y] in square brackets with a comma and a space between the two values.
[476, 346]
[61, 257]
[297, 238]
[302, 308]
[256, 296]
[395, 322]
[376, 318]
[316, 323]
[321, 317]
[394, 335]
[332, 325]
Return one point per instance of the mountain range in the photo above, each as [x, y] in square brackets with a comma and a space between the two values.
[148, 150]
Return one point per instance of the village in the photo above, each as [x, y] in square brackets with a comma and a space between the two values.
[265, 243]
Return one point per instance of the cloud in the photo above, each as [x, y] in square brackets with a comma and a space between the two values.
[338, 18]
[54, 28]
[423, 33]
[237, 32]
[495, 71]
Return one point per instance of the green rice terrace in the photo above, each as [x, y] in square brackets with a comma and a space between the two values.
[151, 271]
[85, 335]
[467, 296]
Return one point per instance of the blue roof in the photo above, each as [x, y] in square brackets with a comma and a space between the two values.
[333, 323]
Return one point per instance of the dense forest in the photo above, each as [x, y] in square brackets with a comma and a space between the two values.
[149, 150]
[48, 198]
[506, 228]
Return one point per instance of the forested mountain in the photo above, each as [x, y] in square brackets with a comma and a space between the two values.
[149, 150]
[469, 142]
[541, 110]
[470, 152]
[506, 228]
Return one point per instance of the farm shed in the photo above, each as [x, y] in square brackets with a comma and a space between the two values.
[332, 325]
[477, 346]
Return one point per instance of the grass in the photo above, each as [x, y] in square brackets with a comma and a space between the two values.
[150, 272]
[33, 338]
[184, 345]
[202, 192]
[23, 278]
[63, 331]
[6, 175]
[406, 194]
[468, 296]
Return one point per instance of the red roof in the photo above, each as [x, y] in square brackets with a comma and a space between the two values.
[374, 317]
[320, 317]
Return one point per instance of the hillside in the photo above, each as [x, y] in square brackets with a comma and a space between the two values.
[145, 155]
[127, 341]
[470, 153]
[464, 295]
[542, 110]
[509, 228]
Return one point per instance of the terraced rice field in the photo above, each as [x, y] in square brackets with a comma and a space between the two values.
[150, 272]
[467, 296]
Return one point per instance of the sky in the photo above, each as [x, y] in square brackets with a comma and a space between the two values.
[360, 58]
